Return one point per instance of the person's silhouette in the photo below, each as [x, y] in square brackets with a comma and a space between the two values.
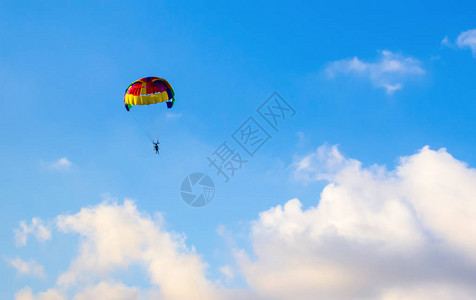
[156, 146]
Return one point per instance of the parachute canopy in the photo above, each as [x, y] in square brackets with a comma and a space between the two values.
[149, 90]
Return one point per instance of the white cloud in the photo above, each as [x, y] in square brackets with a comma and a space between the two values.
[375, 234]
[116, 236]
[104, 290]
[61, 164]
[227, 272]
[30, 268]
[322, 164]
[113, 238]
[108, 291]
[389, 72]
[36, 228]
[467, 39]
[27, 294]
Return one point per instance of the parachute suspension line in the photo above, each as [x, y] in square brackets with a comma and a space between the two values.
[142, 127]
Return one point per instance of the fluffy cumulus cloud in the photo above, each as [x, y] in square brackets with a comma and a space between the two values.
[62, 164]
[108, 291]
[27, 294]
[227, 271]
[467, 39]
[29, 268]
[117, 236]
[321, 165]
[37, 228]
[390, 71]
[104, 290]
[375, 234]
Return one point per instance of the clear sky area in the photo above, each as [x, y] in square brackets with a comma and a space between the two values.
[315, 150]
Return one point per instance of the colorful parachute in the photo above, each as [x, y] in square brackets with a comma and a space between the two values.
[149, 90]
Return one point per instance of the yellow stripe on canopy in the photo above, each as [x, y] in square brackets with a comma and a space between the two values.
[146, 99]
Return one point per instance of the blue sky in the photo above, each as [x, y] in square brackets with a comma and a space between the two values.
[64, 68]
